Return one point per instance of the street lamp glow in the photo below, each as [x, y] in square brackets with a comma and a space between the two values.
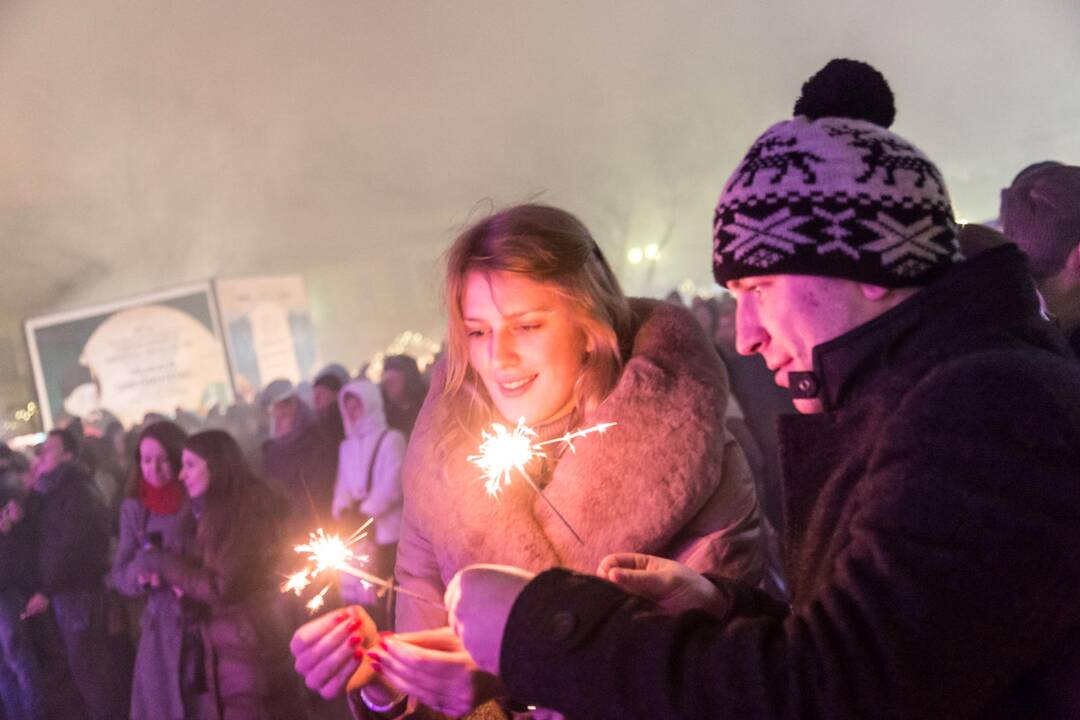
[635, 256]
[652, 251]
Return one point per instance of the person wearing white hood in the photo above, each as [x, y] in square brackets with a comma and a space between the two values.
[369, 484]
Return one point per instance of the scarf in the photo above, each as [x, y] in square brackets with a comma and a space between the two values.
[164, 500]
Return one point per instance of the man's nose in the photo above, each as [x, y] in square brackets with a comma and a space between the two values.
[750, 336]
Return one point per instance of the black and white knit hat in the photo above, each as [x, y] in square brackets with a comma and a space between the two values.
[832, 192]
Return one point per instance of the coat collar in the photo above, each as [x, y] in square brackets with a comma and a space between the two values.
[992, 292]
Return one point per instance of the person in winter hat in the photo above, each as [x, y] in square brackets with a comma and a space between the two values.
[930, 485]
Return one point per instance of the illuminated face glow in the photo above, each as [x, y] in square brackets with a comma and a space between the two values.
[154, 463]
[524, 345]
[195, 474]
[784, 317]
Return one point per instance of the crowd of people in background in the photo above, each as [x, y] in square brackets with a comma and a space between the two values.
[140, 568]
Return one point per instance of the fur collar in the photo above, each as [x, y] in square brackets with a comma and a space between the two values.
[631, 489]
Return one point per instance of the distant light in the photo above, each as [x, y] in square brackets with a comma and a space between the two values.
[962, 221]
[25, 442]
[652, 251]
[635, 256]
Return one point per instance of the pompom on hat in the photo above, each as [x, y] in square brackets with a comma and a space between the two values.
[832, 192]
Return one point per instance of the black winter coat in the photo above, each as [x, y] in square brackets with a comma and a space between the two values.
[18, 553]
[73, 526]
[932, 520]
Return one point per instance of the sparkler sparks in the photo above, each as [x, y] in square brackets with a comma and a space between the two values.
[330, 552]
[502, 451]
[296, 583]
[315, 604]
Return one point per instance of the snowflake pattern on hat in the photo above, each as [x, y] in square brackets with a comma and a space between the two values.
[835, 197]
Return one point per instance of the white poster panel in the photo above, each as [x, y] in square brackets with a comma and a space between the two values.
[156, 353]
[268, 330]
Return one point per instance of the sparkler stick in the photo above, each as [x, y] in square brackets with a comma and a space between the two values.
[387, 585]
[552, 506]
[502, 451]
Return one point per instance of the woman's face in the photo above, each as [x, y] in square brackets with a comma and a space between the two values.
[524, 344]
[194, 473]
[354, 408]
[154, 462]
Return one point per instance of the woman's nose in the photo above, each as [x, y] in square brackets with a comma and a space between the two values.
[503, 351]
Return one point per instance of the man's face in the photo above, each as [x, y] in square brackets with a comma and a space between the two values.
[282, 419]
[322, 397]
[393, 384]
[784, 317]
[51, 456]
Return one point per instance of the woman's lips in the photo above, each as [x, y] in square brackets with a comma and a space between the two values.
[515, 387]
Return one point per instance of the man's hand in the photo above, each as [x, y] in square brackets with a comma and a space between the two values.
[671, 585]
[479, 599]
[36, 605]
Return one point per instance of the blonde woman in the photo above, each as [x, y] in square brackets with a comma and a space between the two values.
[539, 329]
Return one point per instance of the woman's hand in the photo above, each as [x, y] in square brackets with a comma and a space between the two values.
[433, 667]
[330, 648]
[671, 585]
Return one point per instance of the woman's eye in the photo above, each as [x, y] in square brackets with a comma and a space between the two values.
[474, 333]
[529, 327]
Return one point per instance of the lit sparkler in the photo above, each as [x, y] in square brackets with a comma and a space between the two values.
[502, 451]
[331, 552]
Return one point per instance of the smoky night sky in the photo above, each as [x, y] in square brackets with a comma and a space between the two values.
[151, 143]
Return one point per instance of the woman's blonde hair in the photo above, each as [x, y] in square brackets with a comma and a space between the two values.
[551, 246]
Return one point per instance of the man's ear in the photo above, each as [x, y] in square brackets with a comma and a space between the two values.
[1072, 261]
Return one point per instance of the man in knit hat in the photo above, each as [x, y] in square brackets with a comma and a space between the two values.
[931, 484]
[1040, 212]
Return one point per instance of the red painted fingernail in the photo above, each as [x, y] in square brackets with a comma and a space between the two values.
[382, 644]
[358, 653]
[344, 614]
[376, 667]
[352, 626]
[355, 640]
[375, 657]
